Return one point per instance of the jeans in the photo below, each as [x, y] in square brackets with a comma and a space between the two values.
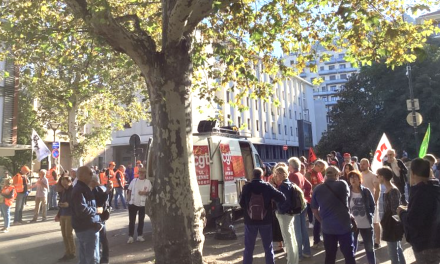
[132, 212]
[88, 246]
[287, 229]
[309, 213]
[19, 203]
[104, 245]
[368, 237]
[38, 201]
[316, 232]
[396, 253]
[250, 236]
[345, 244]
[6, 215]
[52, 199]
[301, 233]
[67, 232]
[119, 193]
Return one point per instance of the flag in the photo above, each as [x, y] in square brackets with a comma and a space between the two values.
[425, 143]
[312, 156]
[39, 147]
[381, 151]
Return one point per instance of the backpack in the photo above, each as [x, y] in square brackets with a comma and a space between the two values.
[256, 209]
[298, 203]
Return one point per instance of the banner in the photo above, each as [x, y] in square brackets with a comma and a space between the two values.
[233, 165]
[39, 147]
[425, 143]
[312, 156]
[201, 160]
[381, 151]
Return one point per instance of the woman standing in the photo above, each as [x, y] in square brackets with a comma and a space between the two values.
[65, 217]
[285, 219]
[362, 207]
[6, 199]
[276, 230]
[391, 200]
[347, 169]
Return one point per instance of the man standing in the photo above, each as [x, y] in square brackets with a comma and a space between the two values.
[118, 185]
[85, 218]
[330, 207]
[40, 195]
[422, 219]
[21, 183]
[52, 178]
[371, 182]
[129, 172]
[258, 190]
[399, 173]
[302, 236]
[110, 173]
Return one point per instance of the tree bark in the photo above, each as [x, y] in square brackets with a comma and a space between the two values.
[177, 212]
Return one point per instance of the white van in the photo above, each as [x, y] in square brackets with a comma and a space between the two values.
[224, 161]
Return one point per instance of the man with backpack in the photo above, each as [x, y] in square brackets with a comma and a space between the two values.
[256, 200]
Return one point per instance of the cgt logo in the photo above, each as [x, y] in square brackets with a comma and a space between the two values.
[227, 157]
[201, 160]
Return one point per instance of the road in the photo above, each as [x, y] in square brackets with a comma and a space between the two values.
[41, 242]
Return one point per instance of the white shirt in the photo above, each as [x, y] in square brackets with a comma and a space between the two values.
[369, 180]
[42, 191]
[357, 208]
[135, 186]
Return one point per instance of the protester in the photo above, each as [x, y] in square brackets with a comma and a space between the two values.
[101, 193]
[302, 236]
[314, 176]
[390, 232]
[277, 236]
[52, 178]
[258, 190]
[421, 220]
[399, 171]
[6, 199]
[129, 172]
[110, 173]
[371, 182]
[344, 175]
[85, 218]
[64, 216]
[432, 161]
[330, 207]
[21, 183]
[42, 186]
[347, 160]
[362, 207]
[285, 218]
[118, 185]
[137, 196]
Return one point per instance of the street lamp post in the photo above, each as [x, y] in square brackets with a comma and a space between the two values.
[413, 108]
[54, 127]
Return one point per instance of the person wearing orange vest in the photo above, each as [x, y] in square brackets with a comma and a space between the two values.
[110, 174]
[118, 185]
[42, 186]
[136, 169]
[6, 199]
[21, 183]
[52, 178]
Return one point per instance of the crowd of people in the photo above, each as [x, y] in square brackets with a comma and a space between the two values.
[343, 199]
[84, 205]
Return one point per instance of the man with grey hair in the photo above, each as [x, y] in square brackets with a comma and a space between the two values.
[330, 207]
[302, 236]
[41, 196]
[400, 172]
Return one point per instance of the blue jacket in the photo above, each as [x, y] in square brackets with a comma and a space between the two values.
[368, 201]
[269, 192]
[84, 214]
[286, 188]
[422, 220]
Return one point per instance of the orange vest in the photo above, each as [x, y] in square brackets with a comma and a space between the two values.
[50, 178]
[7, 190]
[136, 172]
[103, 178]
[18, 183]
[115, 180]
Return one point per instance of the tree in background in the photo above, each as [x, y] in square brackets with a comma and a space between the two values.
[227, 40]
[374, 102]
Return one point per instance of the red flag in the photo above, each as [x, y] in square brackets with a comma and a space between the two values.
[312, 156]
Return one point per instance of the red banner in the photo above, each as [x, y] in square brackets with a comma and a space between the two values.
[201, 160]
[227, 162]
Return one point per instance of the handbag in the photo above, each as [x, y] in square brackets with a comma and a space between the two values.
[392, 230]
[353, 223]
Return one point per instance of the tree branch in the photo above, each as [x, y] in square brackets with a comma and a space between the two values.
[177, 18]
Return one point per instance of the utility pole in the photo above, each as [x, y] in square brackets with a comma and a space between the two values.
[413, 108]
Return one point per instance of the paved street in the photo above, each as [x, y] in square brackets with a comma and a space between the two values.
[41, 242]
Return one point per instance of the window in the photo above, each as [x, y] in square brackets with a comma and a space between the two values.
[265, 126]
[284, 112]
[331, 67]
[334, 98]
[333, 88]
[256, 105]
[292, 62]
[273, 128]
[247, 101]
[325, 98]
[290, 113]
[342, 66]
[321, 68]
[279, 129]
[342, 87]
[285, 130]
[312, 79]
[264, 106]
[343, 76]
[324, 89]
[278, 111]
[291, 131]
[282, 95]
[341, 56]
[295, 116]
[239, 121]
[296, 132]
[227, 96]
[249, 123]
[229, 118]
[258, 127]
[332, 77]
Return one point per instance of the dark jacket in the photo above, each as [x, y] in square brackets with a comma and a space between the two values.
[422, 220]
[368, 200]
[269, 192]
[84, 214]
[286, 188]
[66, 196]
[403, 172]
[102, 199]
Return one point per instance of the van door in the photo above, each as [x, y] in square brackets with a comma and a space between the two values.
[201, 151]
